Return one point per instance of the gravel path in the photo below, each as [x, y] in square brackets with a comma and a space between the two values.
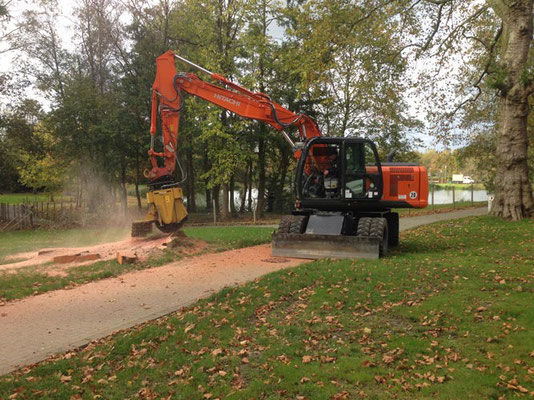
[38, 326]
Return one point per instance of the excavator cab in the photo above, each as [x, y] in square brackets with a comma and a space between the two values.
[338, 173]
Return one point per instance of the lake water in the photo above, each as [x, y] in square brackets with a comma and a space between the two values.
[444, 196]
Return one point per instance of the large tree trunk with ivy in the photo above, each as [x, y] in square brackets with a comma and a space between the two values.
[513, 189]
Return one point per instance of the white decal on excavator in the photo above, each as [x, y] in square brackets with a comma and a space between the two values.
[227, 99]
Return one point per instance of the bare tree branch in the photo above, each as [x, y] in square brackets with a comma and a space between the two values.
[485, 72]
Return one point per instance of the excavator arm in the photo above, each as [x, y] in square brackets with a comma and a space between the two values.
[165, 197]
[167, 95]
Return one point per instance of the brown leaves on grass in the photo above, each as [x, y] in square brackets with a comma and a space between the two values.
[284, 359]
[216, 352]
[189, 327]
[513, 384]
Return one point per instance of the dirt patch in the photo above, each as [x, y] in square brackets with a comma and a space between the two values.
[71, 318]
[63, 258]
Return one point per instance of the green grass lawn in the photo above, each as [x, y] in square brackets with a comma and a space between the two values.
[462, 186]
[439, 208]
[34, 280]
[18, 198]
[448, 315]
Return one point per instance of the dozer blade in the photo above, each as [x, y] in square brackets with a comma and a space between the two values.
[324, 246]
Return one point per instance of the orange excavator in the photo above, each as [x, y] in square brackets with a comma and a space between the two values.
[344, 194]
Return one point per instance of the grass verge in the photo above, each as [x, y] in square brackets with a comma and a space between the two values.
[448, 315]
[35, 280]
[461, 186]
[440, 208]
[19, 198]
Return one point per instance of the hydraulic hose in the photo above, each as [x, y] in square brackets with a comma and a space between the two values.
[275, 116]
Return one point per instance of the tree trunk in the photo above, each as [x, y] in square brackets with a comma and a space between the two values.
[215, 197]
[206, 167]
[225, 215]
[137, 176]
[261, 175]
[233, 211]
[123, 190]
[190, 182]
[243, 195]
[250, 181]
[279, 193]
[513, 190]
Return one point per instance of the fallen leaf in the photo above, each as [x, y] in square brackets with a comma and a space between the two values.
[216, 352]
[522, 389]
[306, 359]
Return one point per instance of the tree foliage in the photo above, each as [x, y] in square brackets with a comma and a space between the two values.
[347, 64]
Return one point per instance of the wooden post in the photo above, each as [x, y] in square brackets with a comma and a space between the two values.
[453, 198]
[472, 197]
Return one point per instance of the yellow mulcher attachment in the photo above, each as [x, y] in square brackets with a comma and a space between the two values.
[166, 210]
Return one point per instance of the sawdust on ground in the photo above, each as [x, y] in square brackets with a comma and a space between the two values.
[140, 248]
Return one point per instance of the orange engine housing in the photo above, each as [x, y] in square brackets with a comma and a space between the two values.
[405, 183]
